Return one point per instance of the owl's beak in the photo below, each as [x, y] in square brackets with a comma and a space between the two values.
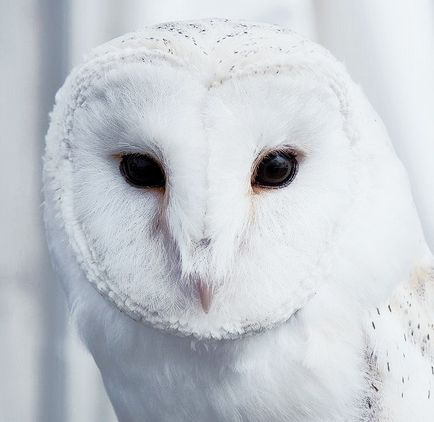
[205, 295]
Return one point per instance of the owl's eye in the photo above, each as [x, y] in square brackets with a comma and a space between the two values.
[277, 169]
[141, 171]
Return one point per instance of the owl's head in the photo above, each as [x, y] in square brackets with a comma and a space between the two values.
[211, 178]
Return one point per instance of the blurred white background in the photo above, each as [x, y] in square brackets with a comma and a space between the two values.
[46, 376]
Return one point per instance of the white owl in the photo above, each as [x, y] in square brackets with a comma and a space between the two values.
[235, 235]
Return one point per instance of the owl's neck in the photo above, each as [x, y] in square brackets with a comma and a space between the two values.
[310, 368]
[259, 378]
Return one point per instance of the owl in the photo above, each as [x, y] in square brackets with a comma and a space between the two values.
[235, 235]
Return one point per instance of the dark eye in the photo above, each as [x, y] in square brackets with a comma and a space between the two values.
[277, 169]
[141, 171]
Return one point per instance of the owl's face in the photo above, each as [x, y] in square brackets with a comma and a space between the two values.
[210, 205]
[213, 205]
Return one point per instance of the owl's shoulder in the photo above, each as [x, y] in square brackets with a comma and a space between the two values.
[414, 305]
[400, 354]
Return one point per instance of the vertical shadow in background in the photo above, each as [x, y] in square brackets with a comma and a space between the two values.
[53, 60]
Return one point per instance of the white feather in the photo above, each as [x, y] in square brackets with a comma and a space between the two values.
[311, 283]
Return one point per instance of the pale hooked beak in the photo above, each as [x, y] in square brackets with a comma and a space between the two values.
[205, 295]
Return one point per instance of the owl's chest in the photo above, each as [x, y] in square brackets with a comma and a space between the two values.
[255, 380]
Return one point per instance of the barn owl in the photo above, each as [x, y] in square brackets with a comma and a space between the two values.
[235, 235]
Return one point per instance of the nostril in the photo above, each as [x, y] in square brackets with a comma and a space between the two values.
[204, 243]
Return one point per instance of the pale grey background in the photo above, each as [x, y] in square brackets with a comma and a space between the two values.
[45, 375]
